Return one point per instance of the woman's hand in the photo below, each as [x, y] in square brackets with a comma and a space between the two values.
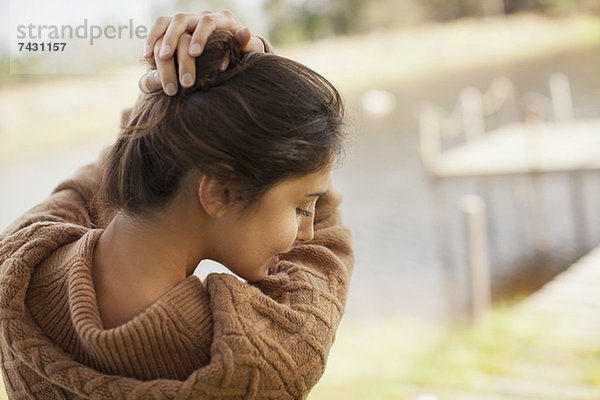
[187, 33]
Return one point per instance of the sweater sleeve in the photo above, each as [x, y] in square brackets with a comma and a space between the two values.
[273, 338]
[311, 283]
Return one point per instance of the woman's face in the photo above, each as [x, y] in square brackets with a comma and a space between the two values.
[249, 243]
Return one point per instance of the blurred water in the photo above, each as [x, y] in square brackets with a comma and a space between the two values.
[28, 181]
[410, 264]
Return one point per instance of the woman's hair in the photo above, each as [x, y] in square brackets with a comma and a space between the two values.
[263, 119]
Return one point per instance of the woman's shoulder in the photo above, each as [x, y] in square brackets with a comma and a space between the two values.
[172, 335]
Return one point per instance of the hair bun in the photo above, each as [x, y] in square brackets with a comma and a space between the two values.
[219, 61]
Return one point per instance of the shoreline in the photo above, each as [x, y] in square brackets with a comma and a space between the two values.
[414, 53]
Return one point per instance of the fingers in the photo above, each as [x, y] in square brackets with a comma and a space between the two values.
[181, 23]
[187, 33]
[207, 24]
[150, 82]
[201, 25]
[243, 37]
[248, 42]
[187, 63]
[166, 71]
[161, 77]
[255, 45]
[158, 29]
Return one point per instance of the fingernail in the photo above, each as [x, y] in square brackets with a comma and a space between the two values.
[164, 50]
[156, 77]
[187, 79]
[170, 89]
[146, 50]
[241, 33]
[224, 64]
[195, 49]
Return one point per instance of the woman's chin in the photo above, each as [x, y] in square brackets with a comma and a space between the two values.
[259, 273]
[256, 277]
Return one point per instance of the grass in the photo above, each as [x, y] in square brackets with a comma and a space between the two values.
[400, 361]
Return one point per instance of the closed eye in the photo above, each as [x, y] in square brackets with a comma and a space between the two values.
[302, 212]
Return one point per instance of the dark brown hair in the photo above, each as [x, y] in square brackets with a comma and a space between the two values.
[264, 119]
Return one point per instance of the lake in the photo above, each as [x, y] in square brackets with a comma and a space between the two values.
[408, 262]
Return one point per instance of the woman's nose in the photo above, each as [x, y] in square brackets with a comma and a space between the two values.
[306, 231]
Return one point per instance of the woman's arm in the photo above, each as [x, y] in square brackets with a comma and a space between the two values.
[273, 338]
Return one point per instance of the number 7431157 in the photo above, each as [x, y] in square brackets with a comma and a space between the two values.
[43, 46]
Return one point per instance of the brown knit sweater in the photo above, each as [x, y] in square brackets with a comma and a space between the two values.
[218, 339]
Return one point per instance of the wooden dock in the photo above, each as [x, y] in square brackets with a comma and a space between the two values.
[568, 307]
[567, 313]
[524, 148]
[557, 332]
[532, 146]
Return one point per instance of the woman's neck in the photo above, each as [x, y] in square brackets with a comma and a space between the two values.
[138, 261]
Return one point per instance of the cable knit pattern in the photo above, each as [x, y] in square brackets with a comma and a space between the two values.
[221, 339]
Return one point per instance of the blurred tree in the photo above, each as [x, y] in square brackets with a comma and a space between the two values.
[493, 7]
[284, 23]
[385, 14]
[444, 10]
[514, 6]
[571, 6]
[293, 20]
[4, 69]
[297, 20]
[200, 5]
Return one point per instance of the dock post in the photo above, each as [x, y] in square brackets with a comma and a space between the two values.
[430, 136]
[473, 207]
[472, 109]
[560, 93]
[492, 8]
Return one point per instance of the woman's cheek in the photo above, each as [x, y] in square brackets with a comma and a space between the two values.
[290, 233]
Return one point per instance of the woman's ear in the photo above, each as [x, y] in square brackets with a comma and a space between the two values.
[213, 196]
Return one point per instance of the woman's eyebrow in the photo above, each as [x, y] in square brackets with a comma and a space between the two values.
[318, 194]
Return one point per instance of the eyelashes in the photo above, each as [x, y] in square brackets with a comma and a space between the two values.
[302, 212]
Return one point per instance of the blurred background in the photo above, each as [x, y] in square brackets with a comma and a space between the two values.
[470, 180]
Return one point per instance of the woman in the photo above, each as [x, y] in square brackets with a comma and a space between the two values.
[97, 294]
